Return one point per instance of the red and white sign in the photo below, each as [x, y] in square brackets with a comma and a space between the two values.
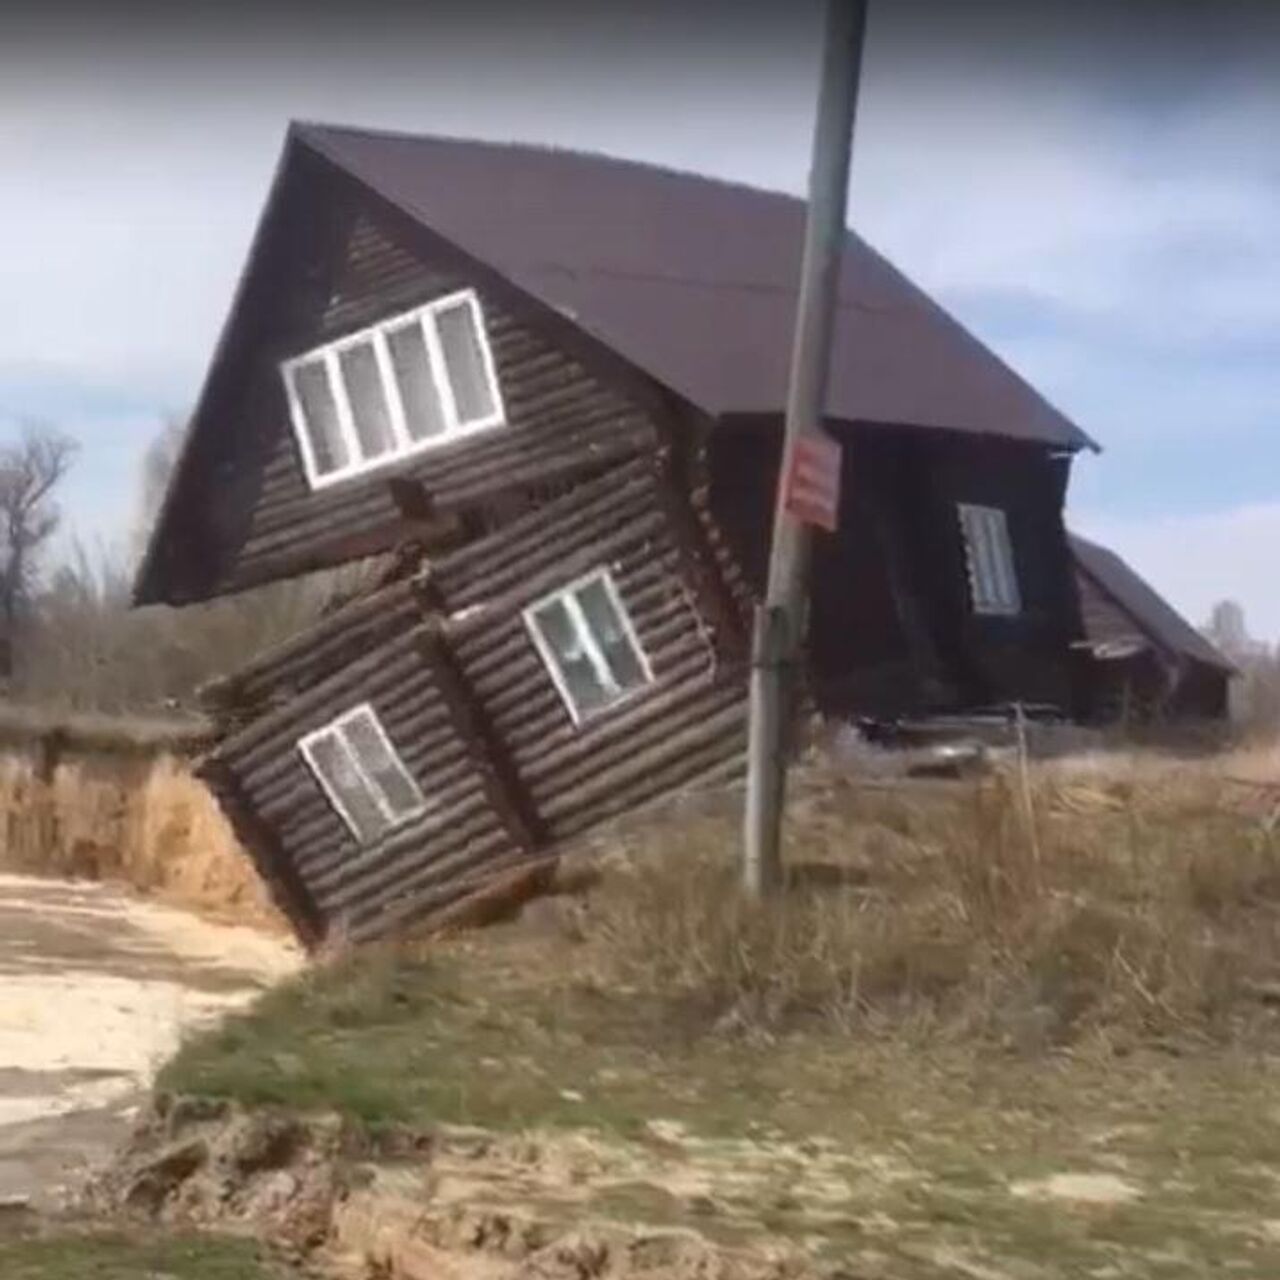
[811, 486]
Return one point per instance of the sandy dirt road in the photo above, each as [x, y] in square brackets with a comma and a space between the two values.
[97, 988]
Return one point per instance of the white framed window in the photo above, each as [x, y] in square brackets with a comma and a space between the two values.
[589, 645]
[360, 772]
[406, 384]
[993, 579]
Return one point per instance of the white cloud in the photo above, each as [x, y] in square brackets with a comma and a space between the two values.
[1124, 227]
[1197, 560]
[1041, 197]
[132, 194]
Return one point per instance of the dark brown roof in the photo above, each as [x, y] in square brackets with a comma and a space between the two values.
[1151, 617]
[694, 281]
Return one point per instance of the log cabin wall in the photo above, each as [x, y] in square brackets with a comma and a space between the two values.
[892, 628]
[285, 670]
[447, 663]
[344, 265]
[688, 725]
[1025, 657]
[340, 885]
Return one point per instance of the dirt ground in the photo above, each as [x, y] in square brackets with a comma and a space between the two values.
[97, 988]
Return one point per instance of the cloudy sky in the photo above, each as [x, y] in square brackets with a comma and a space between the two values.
[1093, 188]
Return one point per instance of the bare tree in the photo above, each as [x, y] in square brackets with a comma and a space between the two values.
[158, 465]
[1256, 688]
[30, 471]
[85, 649]
[1227, 629]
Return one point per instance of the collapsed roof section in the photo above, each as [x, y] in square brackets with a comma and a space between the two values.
[1127, 613]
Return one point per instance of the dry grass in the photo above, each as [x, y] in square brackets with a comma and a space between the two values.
[131, 819]
[929, 1033]
[1137, 900]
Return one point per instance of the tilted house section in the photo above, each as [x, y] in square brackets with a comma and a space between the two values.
[495, 680]
[552, 385]
[1141, 659]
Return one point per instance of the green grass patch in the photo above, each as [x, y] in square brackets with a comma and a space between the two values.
[894, 1066]
[95, 1256]
[479, 1036]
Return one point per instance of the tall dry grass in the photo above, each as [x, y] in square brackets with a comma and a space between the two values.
[1136, 900]
[132, 819]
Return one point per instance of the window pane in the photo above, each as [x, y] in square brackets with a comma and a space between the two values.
[333, 762]
[579, 675]
[457, 326]
[382, 764]
[993, 579]
[980, 538]
[368, 400]
[408, 348]
[320, 414]
[610, 634]
[1006, 575]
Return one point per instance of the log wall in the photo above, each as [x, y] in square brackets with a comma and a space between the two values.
[353, 890]
[690, 720]
[446, 661]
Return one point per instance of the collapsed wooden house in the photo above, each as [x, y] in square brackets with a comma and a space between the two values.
[1141, 660]
[551, 386]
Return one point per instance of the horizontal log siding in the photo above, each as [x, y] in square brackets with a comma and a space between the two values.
[1104, 620]
[560, 420]
[690, 721]
[332, 642]
[415, 867]
[689, 724]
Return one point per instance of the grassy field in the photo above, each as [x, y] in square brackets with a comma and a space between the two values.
[985, 1033]
[898, 1149]
[75, 1255]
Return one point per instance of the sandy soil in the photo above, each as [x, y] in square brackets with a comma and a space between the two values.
[96, 990]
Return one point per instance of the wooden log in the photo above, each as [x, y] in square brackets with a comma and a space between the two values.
[485, 745]
[400, 916]
[675, 775]
[626, 488]
[467, 814]
[354, 623]
[633, 764]
[564, 561]
[436, 853]
[385, 666]
[585, 496]
[650, 717]
[441, 879]
[321, 838]
[698, 561]
[551, 727]
[423, 715]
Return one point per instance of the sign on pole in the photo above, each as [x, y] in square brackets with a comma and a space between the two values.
[811, 487]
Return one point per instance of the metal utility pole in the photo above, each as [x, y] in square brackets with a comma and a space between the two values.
[779, 623]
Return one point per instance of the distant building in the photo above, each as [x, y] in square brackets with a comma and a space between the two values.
[1142, 660]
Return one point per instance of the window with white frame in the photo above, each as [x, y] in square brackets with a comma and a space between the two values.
[365, 780]
[993, 580]
[408, 383]
[586, 639]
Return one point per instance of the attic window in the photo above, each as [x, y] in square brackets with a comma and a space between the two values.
[363, 777]
[993, 580]
[410, 383]
[589, 645]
